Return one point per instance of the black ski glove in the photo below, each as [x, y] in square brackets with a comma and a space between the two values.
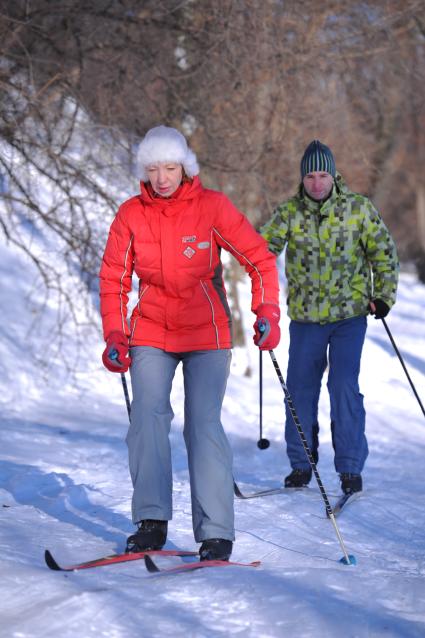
[381, 309]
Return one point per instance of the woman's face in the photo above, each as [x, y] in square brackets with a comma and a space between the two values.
[165, 178]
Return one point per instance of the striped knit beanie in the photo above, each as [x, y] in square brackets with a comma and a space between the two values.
[317, 157]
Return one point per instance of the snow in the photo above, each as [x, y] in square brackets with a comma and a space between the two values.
[64, 485]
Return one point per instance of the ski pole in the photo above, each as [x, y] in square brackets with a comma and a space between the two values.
[403, 365]
[262, 443]
[347, 559]
[114, 356]
[126, 395]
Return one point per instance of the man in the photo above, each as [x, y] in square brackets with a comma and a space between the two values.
[341, 264]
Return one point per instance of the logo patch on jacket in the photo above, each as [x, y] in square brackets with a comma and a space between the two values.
[189, 252]
[203, 244]
[188, 238]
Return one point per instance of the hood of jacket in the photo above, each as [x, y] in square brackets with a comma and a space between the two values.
[189, 190]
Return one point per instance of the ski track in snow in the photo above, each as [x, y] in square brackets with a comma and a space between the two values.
[64, 485]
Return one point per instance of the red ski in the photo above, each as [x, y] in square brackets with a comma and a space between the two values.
[271, 492]
[186, 567]
[112, 559]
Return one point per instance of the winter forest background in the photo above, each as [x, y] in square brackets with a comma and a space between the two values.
[250, 84]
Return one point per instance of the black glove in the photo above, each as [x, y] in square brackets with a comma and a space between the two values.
[381, 309]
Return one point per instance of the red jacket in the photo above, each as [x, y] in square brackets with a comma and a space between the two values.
[173, 245]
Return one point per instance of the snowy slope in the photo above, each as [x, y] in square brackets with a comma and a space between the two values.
[64, 485]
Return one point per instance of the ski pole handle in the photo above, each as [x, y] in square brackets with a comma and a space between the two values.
[264, 328]
[113, 356]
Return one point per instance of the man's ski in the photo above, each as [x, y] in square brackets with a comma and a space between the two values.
[113, 559]
[343, 501]
[186, 567]
[270, 492]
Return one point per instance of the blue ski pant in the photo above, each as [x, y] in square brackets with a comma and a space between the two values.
[209, 454]
[312, 346]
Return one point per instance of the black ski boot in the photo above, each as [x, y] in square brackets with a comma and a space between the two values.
[351, 483]
[150, 535]
[298, 478]
[216, 549]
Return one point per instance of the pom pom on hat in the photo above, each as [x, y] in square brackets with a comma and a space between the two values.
[317, 157]
[165, 144]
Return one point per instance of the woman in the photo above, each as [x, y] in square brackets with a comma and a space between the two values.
[171, 236]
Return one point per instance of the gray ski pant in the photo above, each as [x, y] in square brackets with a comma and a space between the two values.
[209, 454]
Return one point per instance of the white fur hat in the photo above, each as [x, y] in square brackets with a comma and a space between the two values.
[165, 144]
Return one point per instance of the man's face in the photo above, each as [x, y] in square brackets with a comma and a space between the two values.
[318, 184]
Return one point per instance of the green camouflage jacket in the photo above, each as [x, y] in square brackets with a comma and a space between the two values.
[339, 255]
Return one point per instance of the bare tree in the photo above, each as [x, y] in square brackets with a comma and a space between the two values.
[249, 83]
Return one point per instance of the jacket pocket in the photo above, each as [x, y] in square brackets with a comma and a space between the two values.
[143, 290]
[137, 311]
[360, 283]
[208, 293]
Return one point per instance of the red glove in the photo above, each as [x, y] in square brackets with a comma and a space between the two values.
[115, 357]
[267, 331]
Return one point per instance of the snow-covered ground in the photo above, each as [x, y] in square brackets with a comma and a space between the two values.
[64, 485]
